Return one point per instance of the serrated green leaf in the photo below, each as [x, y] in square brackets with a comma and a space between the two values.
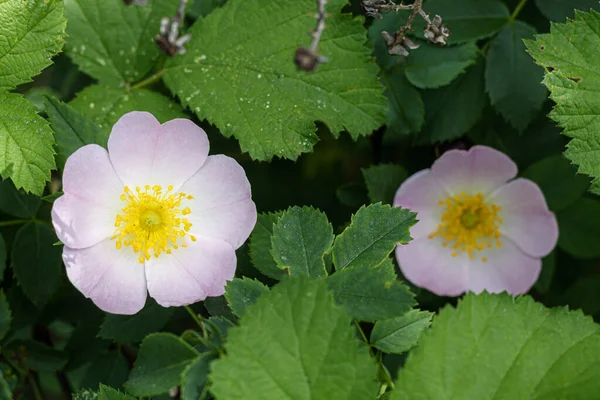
[559, 10]
[241, 293]
[430, 67]
[194, 378]
[574, 83]
[290, 345]
[87, 395]
[32, 32]
[406, 112]
[579, 229]
[106, 104]
[370, 293]
[26, 140]
[161, 360]
[110, 369]
[260, 246]
[372, 235]
[469, 19]
[252, 90]
[113, 42]
[300, 239]
[5, 315]
[17, 202]
[383, 181]
[36, 262]
[72, 129]
[465, 97]
[559, 181]
[498, 347]
[108, 393]
[133, 328]
[400, 334]
[512, 79]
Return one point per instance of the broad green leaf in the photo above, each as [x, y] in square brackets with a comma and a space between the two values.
[159, 364]
[72, 129]
[194, 378]
[252, 90]
[498, 347]
[383, 181]
[110, 369]
[372, 235]
[17, 202]
[113, 42]
[218, 307]
[574, 83]
[579, 228]
[26, 142]
[36, 262]
[300, 239]
[5, 315]
[559, 181]
[32, 32]
[108, 393]
[560, 10]
[430, 67]
[260, 246]
[106, 104]
[133, 328]
[241, 293]
[36, 355]
[512, 79]
[400, 334]
[465, 97]
[406, 112]
[201, 8]
[294, 343]
[370, 293]
[469, 19]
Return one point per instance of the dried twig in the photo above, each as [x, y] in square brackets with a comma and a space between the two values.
[168, 40]
[307, 58]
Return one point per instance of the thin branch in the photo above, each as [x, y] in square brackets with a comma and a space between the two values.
[307, 58]
[168, 40]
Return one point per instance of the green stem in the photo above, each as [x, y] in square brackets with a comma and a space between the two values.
[150, 80]
[37, 393]
[198, 321]
[517, 10]
[14, 222]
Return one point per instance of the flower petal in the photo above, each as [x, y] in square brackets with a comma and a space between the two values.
[144, 152]
[507, 269]
[421, 193]
[113, 279]
[222, 207]
[85, 214]
[189, 275]
[479, 170]
[526, 218]
[428, 264]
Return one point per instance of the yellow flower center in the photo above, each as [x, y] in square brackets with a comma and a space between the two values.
[152, 221]
[469, 224]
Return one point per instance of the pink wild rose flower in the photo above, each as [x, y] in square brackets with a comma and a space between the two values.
[155, 213]
[479, 229]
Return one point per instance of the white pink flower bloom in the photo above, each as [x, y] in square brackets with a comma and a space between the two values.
[155, 213]
[478, 228]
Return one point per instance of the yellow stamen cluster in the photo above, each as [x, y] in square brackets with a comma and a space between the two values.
[469, 224]
[152, 221]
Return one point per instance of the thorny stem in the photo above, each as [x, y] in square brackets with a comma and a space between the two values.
[417, 9]
[316, 34]
[307, 58]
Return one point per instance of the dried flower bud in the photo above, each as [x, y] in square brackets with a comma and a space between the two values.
[306, 59]
[370, 8]
[436, 31]
[398, 43]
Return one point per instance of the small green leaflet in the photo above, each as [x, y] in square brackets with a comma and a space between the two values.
[499, 347]
[72, 129]
[17, 202]
[251, 88]
[106, 104]
[111, 368]
[241, 293]
[301, 238]
[406, 112]
[194, 378]
[579, 230]
[113, 42]
[383, 181]
[159, 364]
[133, 328]
[32, 32]
[400, 334]
[291, 344]
[108, 393]
[570, 50]
[372, 235]
[260, 246]
[513, 81]
[370, 293]
[26, 141]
